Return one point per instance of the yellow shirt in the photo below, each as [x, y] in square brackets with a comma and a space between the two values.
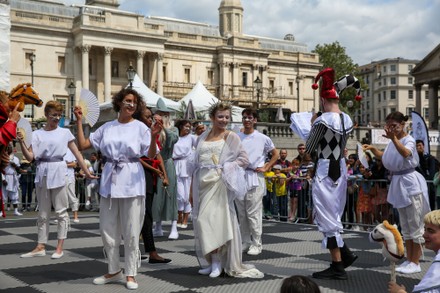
[280, 188]
[269, 180]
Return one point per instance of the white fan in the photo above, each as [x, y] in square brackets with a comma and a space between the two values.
[90, 106]
[24, 126]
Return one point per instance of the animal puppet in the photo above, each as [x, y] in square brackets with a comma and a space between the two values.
[26, 95]
[392, 244]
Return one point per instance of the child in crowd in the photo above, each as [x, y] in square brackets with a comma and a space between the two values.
[295, 188]
[364, 205]
[270, 207]
[281, 192]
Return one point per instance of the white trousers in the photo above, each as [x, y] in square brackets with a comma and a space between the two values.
[71, 196]
[250, 214]
[183, 189]
[46, 198]
[122, 217]
[12, 195]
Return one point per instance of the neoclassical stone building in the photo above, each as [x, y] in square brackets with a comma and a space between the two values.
[94, 44]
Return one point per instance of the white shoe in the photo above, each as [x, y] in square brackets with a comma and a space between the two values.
[205, 271]
[57, 255]
[88, 205]
[216, 266]
[412, 268]
[254, 250]
[54, 222]
[184, 226]
[17, 213]
[174, 235]
[158, 233]
[132, 285]
[1, 214]
[179, 225]
[356, 228]
[402, 265]
[103, 280]
[34, 254]
[76, 220]
[245, 246]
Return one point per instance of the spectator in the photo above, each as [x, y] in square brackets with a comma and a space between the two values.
[363, 204]
[295, 186]
[286, 166]
[299, 284]
[281, 192]
[26, 171]
[436, 183]
[428, 165]
[301, 152]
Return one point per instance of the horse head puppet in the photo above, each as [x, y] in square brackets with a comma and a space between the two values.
[392, 243]
[25, 95]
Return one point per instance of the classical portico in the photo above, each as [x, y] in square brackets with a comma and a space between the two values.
[428, 72]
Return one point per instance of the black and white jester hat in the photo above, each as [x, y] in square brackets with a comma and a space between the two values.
[348, 81]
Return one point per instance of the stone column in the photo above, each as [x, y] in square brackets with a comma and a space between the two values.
[433, 105]
[235, 80]
[107, 73]
[85, 49]
[159, 69]
[223, 79]
[140, 64]
[419, 98]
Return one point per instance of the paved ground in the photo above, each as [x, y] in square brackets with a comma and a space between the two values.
[289, 249]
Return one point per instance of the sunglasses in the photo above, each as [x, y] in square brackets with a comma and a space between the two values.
[248, 118]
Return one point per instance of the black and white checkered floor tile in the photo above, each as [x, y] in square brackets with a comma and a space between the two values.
[289, 249]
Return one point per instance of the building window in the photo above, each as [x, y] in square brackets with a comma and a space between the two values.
[211, 77]
[378, 97]
[271, 85]
[27, 112]
[392, 80]
[384, 68]
[384, 81]
[367, 93]
[409, 110]
[61, 64]
[410, 67]
[27, 60]
[426, 95]
[410, 94]
[393, 95]
[393, 67]
[187, 75]
[384, 113]
[393, 110]
[384, 95]
[291, 88]
[368, 105]
[115, 69]
[244, 79]
[410, 80]
[379, 115]
[426, 113]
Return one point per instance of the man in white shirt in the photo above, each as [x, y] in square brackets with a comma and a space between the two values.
[250, 210]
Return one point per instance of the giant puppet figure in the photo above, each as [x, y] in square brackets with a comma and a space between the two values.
[10, 105]
[328, 137]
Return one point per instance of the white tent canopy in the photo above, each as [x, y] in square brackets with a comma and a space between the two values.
[150, 97]
[202, 99]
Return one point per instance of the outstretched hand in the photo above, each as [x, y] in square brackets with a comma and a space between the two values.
[78, 113]
[14, 115]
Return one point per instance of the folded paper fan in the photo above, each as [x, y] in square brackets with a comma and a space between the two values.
[24, 126]
[90, 106]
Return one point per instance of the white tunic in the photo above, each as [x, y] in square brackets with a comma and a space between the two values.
[69, 158]
[183, 148]
[11, 175]
[404, 186]
[51, 145]
[122, 144]
[430, 282]
[257, 146]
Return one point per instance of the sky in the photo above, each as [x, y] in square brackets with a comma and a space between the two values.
[370, 30]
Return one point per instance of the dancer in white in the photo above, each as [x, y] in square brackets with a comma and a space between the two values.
[329, 136]
[408, 191]
[250, 208]
[219, 163]
[48, 148]
[122, 206]
[181, 152]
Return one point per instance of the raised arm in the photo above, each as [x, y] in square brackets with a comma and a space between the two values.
[83, 143]
[27, 152]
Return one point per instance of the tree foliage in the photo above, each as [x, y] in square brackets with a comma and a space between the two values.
[334, 55]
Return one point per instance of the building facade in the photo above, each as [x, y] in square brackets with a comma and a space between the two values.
[92, 45]
[390, 87]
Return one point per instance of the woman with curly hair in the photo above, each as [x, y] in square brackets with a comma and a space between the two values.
[122, 142]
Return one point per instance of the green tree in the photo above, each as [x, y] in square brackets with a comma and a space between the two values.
[334, 55]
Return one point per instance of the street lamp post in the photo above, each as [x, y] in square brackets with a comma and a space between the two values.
[258, 85]
[131, 74]
[71, 89]
[298, 79]
[32, 59]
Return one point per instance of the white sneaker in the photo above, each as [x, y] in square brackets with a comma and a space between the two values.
[17, 213]
[245, 246]
[402, 265]
[254, 250]
[412, 268]
[356, 228]
[1, 214]
[157, 233]
[174, 235]
[88, 205]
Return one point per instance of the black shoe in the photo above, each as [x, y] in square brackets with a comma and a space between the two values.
[348, 257]
[334, 272]
[156, 261]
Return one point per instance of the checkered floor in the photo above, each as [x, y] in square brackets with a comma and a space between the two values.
[289, 249]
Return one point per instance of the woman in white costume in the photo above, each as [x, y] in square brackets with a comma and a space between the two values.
[218, 163]
[408, 192]
[181, 152]
[122, 188]
[430, 282]
[48, 148]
